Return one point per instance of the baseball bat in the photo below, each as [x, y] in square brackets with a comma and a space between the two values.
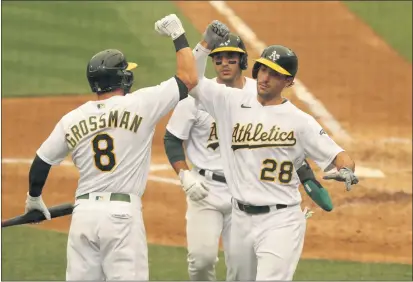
[35, 216]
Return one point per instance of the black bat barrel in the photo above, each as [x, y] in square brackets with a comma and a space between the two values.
[37, 216]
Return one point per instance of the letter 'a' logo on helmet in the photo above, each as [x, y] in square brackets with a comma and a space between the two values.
[225, 43]
[274, 56]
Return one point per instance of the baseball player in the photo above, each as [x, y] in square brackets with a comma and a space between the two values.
[110, 143]
[210, 218]
[262, 139]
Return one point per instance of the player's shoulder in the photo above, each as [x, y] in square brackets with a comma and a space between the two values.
[137, 94]
[293, 109]
[222, 89]
[141, 97]
[301, 117]
[250, 84]
[75, 114]
[166, 84]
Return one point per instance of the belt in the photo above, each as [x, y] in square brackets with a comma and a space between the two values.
[113, 197]
[215, 177]
[258, 209]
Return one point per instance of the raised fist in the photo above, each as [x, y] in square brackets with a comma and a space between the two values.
[170, 26]
[215, 32]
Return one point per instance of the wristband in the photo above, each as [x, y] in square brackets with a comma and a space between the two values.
[181, 42]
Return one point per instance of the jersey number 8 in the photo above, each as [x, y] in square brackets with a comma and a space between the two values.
[285, 173]
[103, 147]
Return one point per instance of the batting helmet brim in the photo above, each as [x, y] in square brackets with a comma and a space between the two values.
[132, 66]
[273, 66]
[227, 49]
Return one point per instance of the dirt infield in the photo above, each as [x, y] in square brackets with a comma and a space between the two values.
[366, 86]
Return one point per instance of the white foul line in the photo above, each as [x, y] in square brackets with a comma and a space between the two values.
[302, 93]
[29, 161]
[164, 179]
[153, 167]
[360, 170]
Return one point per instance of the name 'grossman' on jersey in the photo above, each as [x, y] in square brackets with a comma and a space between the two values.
[254, 136]
[123, 120]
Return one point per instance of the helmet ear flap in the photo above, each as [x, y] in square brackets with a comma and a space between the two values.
[243, 62]
[244, 56]
[127, 81]
[96, 87]
[255, 70]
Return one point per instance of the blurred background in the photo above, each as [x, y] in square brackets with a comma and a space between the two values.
[354, 77]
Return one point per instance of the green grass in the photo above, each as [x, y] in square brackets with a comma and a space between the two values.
[33, 254]
[392, 20]
[46, 45]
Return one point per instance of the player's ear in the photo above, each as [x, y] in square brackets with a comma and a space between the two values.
[290, 81]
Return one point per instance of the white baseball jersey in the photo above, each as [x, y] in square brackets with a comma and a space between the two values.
[262, 146]
[198, 130]
[110, 140]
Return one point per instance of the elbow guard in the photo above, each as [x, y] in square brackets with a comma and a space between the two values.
[183, 89]
[37, 176]
[313, 188]
[173, 148]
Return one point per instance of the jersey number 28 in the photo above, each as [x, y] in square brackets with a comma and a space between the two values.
[269, 167]
[103, 147]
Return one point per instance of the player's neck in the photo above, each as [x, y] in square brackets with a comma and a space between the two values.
[238, 82]
[270, 101]
[104, 96]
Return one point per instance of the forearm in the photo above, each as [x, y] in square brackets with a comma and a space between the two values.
[344, 160]
[175, 152]
[204, 44]
[178, 165]
[39, 171]
[185, 63]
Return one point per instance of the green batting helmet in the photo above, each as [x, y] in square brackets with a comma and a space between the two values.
[109, 70]
[279, 58]
[233, 44]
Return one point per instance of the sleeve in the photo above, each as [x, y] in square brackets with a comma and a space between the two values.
[207, 92]
[201, 57]
[55, 148]
[182, 119]
[211, 96]
[318, 145]
[157, 101]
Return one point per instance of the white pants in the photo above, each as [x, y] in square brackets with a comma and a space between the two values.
[206, 221]
[107, 240]
[266, 246]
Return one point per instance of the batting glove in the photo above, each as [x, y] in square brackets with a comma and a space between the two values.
[194, 188]
[307, 213]
[343, 175]
[36, 203]
[170, 26]
[216, 32]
